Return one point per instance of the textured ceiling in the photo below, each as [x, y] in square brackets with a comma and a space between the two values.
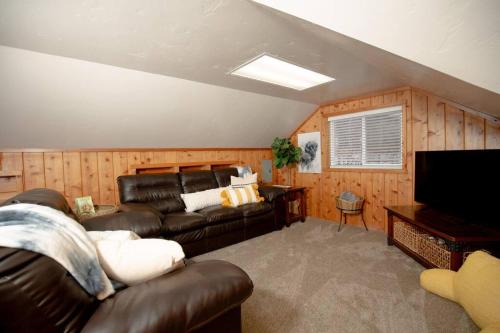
[457, 37]
[50, 101]
[203, 40]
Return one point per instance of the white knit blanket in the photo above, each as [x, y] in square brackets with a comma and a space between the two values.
[50, 232]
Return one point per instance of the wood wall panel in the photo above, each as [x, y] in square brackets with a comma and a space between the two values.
[11, 161]
[90, 176]
[86, 172]
[419, 114]
[492, 135]
[454, 128]
[34, 170]
[436, 139]
[474, 131]
[72, 176]
[11, 182]
[106, 177]
[133, 157]
[378, 192]
[147, 157]
[54, 171]
[432, 123]
[120, 167]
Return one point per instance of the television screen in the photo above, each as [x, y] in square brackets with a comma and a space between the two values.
[465, 183]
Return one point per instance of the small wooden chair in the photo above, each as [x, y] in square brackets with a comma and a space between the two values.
[348, 207]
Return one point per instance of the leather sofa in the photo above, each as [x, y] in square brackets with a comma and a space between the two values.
[38, 295]
[205, 230]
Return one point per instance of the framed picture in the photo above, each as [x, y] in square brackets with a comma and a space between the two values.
[310, 161]
[84, 206]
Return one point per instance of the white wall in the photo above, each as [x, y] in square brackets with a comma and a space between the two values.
[55, 102]
[458, 37]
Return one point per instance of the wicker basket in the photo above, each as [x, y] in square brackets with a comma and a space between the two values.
[347, 206]
[407, 235]
[417, 241]
[434, 253]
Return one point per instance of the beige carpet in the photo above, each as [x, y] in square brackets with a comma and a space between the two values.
[309, 278]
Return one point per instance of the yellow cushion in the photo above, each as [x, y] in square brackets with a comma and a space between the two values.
[493, 328]
[237, 196]
[438, 281]
[477, 288]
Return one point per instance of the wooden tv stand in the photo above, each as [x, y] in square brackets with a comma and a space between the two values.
[417, 224]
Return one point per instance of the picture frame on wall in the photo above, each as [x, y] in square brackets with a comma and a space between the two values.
[310, 160]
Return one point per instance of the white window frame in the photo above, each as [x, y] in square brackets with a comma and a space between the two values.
[366, 165]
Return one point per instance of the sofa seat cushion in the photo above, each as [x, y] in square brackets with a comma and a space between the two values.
[178, 222]
[253, 209]
[196, 235]
[225, 227]
[218, 214]
[180, 301]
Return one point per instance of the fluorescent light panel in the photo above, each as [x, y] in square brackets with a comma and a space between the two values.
[272, 70]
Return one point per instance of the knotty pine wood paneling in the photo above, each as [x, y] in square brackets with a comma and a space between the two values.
[34, 170]
[432, 123]
[94, 173]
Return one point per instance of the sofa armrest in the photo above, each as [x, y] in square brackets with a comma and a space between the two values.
[145, 224]
[270, 193]
[181, 301]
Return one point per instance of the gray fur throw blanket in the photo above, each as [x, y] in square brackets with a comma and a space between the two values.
[50, 232]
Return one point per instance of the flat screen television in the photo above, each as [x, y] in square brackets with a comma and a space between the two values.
[462, 183]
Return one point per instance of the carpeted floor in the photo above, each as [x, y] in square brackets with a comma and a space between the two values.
[309, 278]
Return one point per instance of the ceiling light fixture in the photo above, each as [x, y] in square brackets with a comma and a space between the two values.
[273, 70]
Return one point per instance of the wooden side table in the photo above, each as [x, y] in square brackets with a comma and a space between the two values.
[285, 210]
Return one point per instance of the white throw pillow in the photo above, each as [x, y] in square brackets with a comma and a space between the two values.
[199, 200]
[243, 181]
[116, 235]
[134, 261]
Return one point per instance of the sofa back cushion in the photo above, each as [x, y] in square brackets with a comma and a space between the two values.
[197, 181]
[39, 295]
[223, 176]
[43, 197]
[161, 191]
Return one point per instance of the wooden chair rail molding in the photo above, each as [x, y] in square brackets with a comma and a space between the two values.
[432, 123]
[121, 149]
[93, 172]
[180, 167]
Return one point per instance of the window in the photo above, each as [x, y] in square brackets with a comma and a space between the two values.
[371, 139]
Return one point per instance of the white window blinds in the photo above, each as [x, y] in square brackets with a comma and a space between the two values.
[371, 139]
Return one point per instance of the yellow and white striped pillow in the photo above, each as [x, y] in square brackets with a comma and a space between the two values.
[234, 197]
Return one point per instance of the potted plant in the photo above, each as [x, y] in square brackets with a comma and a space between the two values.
[285, 155]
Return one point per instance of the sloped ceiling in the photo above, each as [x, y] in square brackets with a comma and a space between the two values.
[202, 40]
[57, 102]
[458, 37]
[199, 40]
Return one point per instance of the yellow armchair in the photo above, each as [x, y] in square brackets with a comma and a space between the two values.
[476, 286]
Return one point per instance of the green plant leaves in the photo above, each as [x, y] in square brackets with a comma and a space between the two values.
[285, 152]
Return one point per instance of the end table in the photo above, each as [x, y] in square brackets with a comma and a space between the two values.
[291, 194]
